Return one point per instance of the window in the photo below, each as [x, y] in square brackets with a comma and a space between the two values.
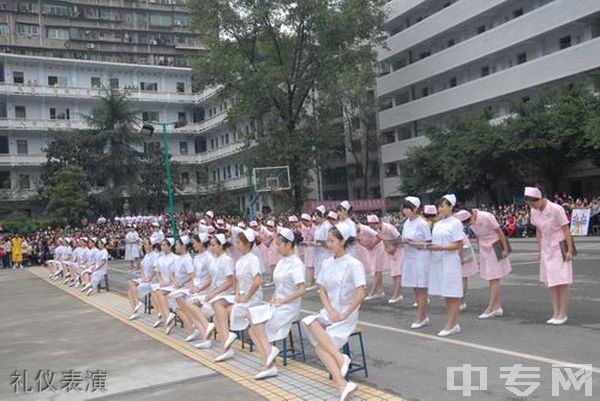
[58, 10]
[20, 112]
[4, 29]
[57, 81]
[151, 147]
[453, 82]
[3, 145]
[227, 139]
[58, 33]
[391, 169]
[149, 86]
[24, 181]
[229, 171]
[180, 87]
[22, 148]
[59, 114]
[424, 55]
[28, 7]
[517, 13]
[150, 116]
[28, 30]
[521, 58]
[114, 83]
[565, 42]
[405, 133]
[18, 77]
[388, 137]
[4, 179]
[2, 110]
[485, 71]
[450, 43]
[200, 145]
[480, 29]
[425, 92]
[96, 82]
[164, 20]
[185, 178]
[183, 148]
[181, 117]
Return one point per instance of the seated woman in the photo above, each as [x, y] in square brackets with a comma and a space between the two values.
[183, 275]
[342, 290]
[92, 276]
[202, 280]
[273, 321]
[164, 269]
[140, 287]
[231, 311]
[220, 283]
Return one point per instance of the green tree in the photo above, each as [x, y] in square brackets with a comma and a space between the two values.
[153, 193]
[273, 57]
[67, 193]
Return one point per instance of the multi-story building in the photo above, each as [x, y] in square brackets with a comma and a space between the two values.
[448, 57]
[126, 31]
[40, 94]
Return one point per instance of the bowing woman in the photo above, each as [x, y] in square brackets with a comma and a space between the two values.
[342, 290]
[556, 248]
[273, 321]
[491, 268]
[445, 275]
[231, 311]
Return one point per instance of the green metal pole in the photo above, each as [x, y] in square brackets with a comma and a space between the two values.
[169, 181]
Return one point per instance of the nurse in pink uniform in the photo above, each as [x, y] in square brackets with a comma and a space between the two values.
[556, 269]
[273, 256]
[393, 256]
[307, 229]
[488, 231]
[468, 262]
[366, 241]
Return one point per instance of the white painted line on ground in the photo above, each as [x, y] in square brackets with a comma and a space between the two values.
[479, 347]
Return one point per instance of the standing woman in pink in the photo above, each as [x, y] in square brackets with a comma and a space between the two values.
[468, 262]
[556, 249]
[307, 229]
[491, 268]
[378, 258]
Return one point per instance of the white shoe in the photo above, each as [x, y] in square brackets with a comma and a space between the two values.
[89, 292]
[496, 313]
[345, 365]
[77, 284]
[452, 331]
[204, 344]
[311, 288]
[416, 305]
[421, 324]
[396, 300]
[550, 321]
[230, 339]
[159, 315]
[138, 307]
[158, 323]
[374, 296]
[348, 390]
[194, 336]
[169, 328]
[462, 307]
[270, 372]
[225, 356]
[170, 318]
[269, 284]
[272, 355]
[209, 329]
[66, 280]
[134, 316]
[560, 322]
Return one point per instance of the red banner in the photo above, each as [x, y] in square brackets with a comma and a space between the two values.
[359, 205]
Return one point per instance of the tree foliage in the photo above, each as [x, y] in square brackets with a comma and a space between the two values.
[67, 193]
[541, 140]
[275, 58]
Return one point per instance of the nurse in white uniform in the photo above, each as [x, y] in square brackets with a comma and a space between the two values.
[164, 269]
[344, 213]
[416, 234]
[273, 321]
[183, 276]
[231, 312]
[342, 291]
[202, 280]
[220, 282]
[322, 227]
[445, 276]
[132, 246]
[140, 287]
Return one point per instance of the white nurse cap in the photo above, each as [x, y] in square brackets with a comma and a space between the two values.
[344, 229]
[287, 234]
[414, 200]
[451, 198]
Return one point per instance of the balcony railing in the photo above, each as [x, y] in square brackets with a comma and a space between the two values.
[22, 160]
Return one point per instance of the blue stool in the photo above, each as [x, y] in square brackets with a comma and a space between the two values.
[292, 351]
[148, 304]
[356, 367]
[242, 336]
